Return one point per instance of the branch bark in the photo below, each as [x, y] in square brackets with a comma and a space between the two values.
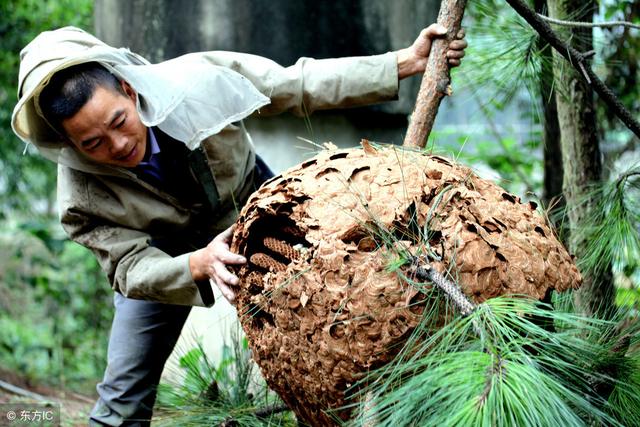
[436, 78]
[424, 271]
[271, 410]
[553, 168]
[579, 61]
[581, 24]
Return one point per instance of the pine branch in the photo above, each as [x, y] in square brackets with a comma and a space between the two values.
[580, 24]
[579, 61]
[520, 373]
[424, 271]
[271, 410]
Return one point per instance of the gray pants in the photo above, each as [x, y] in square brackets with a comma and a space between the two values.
[143, 335]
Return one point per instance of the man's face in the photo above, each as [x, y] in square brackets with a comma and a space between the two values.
[107, 129]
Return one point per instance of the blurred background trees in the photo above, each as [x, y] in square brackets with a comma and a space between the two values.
[54, 300]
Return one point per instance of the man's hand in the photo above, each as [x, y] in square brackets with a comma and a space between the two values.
[413, 59]
[211, 263]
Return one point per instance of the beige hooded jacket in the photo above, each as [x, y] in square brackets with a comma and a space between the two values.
[199, 99]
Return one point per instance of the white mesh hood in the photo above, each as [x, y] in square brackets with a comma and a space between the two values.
[187, 97]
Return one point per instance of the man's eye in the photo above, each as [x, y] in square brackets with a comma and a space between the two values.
[119, 125]
[93, 145]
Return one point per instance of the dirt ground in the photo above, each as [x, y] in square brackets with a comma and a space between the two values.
[74, 407]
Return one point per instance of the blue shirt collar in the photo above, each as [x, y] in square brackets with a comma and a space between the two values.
[153, 146]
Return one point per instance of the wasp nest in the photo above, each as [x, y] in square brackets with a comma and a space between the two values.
[317, 300]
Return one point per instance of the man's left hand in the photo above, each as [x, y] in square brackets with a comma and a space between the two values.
[211, 262]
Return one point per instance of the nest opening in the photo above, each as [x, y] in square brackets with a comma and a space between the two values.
[326, 172]
[308, 163]
[540, 231]
[260, 318]
[339, 155]
[274, 242]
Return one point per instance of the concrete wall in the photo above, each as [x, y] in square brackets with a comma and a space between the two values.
[282, 30]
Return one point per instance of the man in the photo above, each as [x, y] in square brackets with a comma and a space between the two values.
[153, 162]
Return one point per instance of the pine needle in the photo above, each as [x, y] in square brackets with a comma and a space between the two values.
[228, 394]
[517, 373]
[612, 232]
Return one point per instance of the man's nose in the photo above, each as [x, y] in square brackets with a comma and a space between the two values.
[118, 144]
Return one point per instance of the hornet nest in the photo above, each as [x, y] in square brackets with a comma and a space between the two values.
[317, 300]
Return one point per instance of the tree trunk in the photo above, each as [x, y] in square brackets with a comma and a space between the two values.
[553, 173]
[580, 147]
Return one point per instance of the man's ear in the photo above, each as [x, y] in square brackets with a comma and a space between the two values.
[128, 90]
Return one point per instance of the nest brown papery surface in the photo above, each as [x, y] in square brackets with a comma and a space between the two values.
[317, 300]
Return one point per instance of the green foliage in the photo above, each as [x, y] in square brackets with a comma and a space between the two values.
[628, 297]
[611, 233]
[516, 164]
[503, 69]
[620, 49]
[624, 401]
[29, 350]
[56, 307]
[231, 392]
[500, 78]
[504, 57]
[511, 362]
[28, 181]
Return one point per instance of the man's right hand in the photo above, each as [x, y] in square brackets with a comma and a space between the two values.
[211, 262]
[413, 59]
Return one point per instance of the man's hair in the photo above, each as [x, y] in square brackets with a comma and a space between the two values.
[70, 89]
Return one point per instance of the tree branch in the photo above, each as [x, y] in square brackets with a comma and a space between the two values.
[424, 271]
[578, 60]
[435, 81]
[22, 392]
[588, 24]
[271, 410]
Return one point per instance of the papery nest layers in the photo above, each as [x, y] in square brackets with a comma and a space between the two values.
[317, 300]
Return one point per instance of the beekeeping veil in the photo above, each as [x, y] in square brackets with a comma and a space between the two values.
[187, 97]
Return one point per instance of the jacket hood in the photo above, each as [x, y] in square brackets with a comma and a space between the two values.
[187, 97]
